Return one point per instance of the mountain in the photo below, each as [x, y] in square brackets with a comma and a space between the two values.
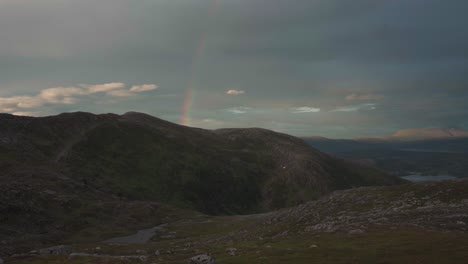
[138, 156]
[91, 181]
[432, 139]
[417, 134]
[401, 154]
[77, 173]
[142, 157]
[430, 133]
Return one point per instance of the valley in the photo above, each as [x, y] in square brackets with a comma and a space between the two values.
[136, 189]
[439, 156]
[233, 132]
[402, 224]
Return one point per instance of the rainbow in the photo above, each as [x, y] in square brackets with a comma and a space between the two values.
[197, 57]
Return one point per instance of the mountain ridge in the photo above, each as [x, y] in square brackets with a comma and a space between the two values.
[434, 156]
[415, 134]
[105, 150]
[80, 179]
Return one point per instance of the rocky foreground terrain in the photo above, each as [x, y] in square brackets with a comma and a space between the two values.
[412, 223]
[430, 206]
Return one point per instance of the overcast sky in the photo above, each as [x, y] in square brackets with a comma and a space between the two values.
[335, 68]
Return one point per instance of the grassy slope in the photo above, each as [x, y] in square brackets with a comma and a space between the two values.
[143, 164]
[262, 238]
[144, 158]
[378, 246]
[31, 219]
[78, 177]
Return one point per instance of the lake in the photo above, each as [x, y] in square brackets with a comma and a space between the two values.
[421, 178]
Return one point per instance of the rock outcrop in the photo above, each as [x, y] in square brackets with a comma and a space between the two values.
[202, 259]
[57, 250]
[434, 206]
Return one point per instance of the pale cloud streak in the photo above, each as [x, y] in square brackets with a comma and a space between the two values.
[11, 104]
[143, 88]
[103, 87]
[120, 93]
[239, 110]
[59, 95]
[26, 114]
[355, 108]
[304, 109]
[235, 92]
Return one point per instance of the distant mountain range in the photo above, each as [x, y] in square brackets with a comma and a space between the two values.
[410, 151]
[413, 134]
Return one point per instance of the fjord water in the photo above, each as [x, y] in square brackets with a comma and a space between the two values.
[423, 178]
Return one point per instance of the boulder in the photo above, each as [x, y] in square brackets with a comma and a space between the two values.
[356, 232]
[141, 252]
[57, 250]
[232, 251]
[202, 259]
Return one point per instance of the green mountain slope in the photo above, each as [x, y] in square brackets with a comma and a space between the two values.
[140, 157]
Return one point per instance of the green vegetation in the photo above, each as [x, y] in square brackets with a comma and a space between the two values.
[80, 179]
[144, 165]
[392, 228]
[405, 245]
[139, 157]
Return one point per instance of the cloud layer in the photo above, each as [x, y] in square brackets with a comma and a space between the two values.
[67, 96]
[283, 59]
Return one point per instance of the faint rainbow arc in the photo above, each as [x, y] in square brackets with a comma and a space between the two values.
[198, 55]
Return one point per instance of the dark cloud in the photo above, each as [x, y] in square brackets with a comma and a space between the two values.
[286, 54]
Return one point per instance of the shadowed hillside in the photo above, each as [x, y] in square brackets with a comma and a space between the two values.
[72, 172]
[141, 157]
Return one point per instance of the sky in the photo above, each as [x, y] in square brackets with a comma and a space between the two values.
[334, 68]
